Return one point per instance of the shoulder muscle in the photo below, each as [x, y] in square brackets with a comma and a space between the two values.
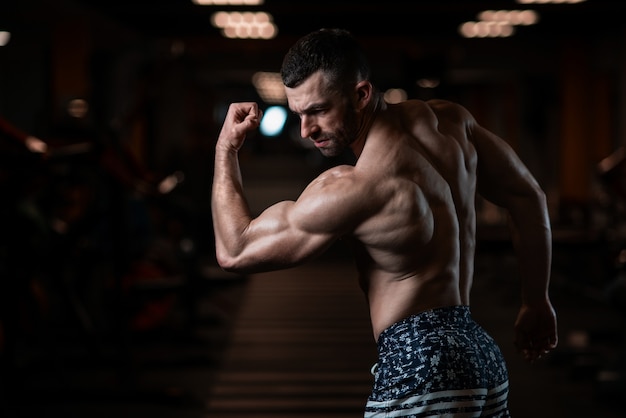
[332, 203]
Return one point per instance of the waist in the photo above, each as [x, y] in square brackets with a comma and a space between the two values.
[448, 317]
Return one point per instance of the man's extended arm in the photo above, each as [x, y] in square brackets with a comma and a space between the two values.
[505, 180]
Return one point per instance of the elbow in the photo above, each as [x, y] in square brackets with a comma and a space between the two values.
[227, 262]
[237, 263]
[246, 264]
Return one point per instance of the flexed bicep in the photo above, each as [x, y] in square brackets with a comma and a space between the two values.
[291, 232]
[277, 238]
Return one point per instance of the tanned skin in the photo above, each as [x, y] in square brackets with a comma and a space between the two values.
[407, 205]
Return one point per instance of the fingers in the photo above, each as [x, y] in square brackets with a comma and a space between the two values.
[245, 112]
[246, 116]
[533, 350]
[532, 356]
[241, 119]
[254, 113]
[536, 331]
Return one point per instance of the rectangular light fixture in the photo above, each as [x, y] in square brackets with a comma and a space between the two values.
[228, 2]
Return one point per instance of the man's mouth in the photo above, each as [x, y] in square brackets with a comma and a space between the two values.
[321, 143]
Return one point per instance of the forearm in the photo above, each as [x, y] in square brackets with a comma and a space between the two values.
[230, 211]
[536, 324]
[532, 240]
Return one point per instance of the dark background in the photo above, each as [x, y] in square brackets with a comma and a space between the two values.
[101, 272]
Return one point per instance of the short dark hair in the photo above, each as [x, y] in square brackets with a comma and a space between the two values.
[334, 51]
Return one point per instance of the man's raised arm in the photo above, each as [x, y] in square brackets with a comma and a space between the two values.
[286, 233]
[230, 211]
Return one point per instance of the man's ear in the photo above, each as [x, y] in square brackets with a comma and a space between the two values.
[364, 91]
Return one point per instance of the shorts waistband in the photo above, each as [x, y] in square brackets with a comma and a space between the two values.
[452, 317]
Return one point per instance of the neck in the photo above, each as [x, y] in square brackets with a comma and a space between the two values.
[368, 116]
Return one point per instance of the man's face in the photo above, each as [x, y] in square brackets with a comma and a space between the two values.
[327, 117]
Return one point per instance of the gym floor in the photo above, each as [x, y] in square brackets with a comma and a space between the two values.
[297, 343]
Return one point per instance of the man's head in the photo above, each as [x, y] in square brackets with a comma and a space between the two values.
[326, 77]
[333, 51]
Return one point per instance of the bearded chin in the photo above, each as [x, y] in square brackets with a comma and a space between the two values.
[342, 139]
[334, 150]
[338, 144]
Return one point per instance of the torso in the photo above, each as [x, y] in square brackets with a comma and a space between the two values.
[417, 174]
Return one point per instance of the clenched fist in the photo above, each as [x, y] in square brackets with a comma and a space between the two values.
[241, 118]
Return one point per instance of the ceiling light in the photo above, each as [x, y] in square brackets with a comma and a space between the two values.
[511, 17]
[270, 87]
[228, 2]
[549, 1]
[484, 29]
[255, 25]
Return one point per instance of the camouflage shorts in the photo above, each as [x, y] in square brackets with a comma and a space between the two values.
[438, 363]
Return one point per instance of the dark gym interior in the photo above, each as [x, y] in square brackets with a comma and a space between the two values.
[111, 301]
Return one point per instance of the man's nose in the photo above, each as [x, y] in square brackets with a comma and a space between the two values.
[307, 127]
